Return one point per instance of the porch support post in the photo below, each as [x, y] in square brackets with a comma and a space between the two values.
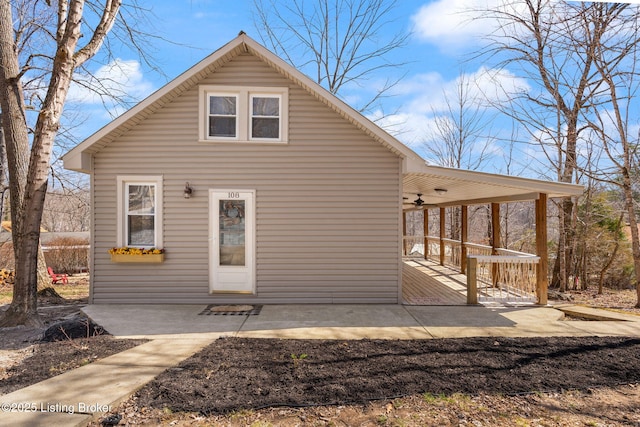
[464, 235]
[495, 228]
[472, 281]
[404, 233]
[542, 280]
[442, 226]
[425, 214]
[495, 240]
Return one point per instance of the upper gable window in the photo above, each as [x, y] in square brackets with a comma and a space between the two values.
[243, 114]
[223, 116]
[265, 117]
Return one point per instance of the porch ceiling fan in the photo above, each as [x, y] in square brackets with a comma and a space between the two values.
[418, 203]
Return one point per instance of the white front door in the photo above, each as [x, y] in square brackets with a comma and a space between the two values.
[232, 248]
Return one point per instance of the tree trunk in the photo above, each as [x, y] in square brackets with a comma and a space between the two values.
[23, 308]
[44, 280]
[633, 224]
[606, 267]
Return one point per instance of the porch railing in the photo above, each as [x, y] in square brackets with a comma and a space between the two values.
[433, 247]
[509, 276]
[502, 278]
[413, 246]
[477, 249]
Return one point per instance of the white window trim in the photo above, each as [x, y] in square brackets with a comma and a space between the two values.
[122, 182]
[243, 113]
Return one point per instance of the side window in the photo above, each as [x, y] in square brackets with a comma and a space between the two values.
[223, 111]
[140, 211]
[265, 117]
[141, 215]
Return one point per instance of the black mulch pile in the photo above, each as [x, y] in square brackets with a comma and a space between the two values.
[238, 373]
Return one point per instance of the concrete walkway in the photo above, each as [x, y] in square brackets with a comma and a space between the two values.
[178, 331]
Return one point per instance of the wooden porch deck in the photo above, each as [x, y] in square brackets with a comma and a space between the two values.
[427, 283]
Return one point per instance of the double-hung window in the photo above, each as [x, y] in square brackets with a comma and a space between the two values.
[223, 120]
[140, 211]
[265, 117]
[243, 114]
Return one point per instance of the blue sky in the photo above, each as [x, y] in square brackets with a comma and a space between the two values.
[438, 52]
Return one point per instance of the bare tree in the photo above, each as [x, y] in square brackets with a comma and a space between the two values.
[461, 134]
[615, 60]
[340, 42]
[67, 209]
[41, 46]
[548, 43]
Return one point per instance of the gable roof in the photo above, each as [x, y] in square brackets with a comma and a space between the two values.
[79, 158]
[419, 177]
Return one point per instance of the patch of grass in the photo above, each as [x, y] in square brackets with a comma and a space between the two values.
[5, 296]
[241, 414]
[434, 398]
[397, 403]
[519, 421]
[70, 292]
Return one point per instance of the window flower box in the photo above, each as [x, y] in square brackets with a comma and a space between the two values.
[137, 255]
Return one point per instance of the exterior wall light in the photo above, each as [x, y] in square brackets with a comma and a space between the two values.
[188, 191]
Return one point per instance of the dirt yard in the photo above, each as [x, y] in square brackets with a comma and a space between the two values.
[476, 381]
[25, 360]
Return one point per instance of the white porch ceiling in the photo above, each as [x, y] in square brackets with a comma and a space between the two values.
[469, 187]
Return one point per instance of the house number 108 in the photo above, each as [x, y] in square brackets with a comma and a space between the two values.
[233, 195]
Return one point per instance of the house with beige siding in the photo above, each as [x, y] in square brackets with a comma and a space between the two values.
[258, 186]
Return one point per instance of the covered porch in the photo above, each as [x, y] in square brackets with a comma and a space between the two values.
[441, 270]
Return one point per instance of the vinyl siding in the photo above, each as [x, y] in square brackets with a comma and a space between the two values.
[327, 204]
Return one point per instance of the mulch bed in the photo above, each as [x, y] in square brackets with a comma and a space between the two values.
[49, 359]
[236, 373]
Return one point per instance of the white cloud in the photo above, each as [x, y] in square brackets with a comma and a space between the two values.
[427, 96]
[410, 128]
[493, 85]
[449, 23]
[430, 93]
[456, 24]
[120, 79]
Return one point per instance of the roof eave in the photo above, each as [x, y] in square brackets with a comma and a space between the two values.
[486, 187]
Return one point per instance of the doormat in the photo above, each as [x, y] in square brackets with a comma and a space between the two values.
[232, 310]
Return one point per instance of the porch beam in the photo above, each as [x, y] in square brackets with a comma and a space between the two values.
[464, 235]
[483, 201]
[442, 236]
[542, 280]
